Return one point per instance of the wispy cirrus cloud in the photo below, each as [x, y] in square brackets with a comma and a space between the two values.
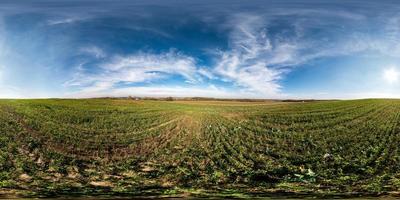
[53, 22]
[247, 61]
[93, 51]
[136, 68]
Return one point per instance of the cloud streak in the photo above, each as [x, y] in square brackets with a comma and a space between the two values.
[93, 51]
[247, 61]
[137, 68]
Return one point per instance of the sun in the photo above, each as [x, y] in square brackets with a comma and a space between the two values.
[391, 75]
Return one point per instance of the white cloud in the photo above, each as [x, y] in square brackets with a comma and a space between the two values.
[248, 61]
[142, 67]
[383, 40]
[150, 30]
[93, 51]
[61, 21]
[137, 68]
[68, 19]
[207, 73]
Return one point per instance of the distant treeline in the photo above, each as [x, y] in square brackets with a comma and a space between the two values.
[210, 99]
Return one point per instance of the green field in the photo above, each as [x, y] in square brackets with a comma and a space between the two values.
[178, 148]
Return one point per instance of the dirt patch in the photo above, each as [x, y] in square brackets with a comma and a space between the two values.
[25, 178]
[101, 184]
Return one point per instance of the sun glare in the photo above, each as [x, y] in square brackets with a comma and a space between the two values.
[391, 75]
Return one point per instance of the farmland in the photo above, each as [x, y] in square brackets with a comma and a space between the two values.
[127, 147]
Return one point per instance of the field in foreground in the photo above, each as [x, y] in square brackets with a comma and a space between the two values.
[126, 147]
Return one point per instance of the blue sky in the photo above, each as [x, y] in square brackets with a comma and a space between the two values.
[230, 49]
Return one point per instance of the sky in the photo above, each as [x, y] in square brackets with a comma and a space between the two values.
[342, 49]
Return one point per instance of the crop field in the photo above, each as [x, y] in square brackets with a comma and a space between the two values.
[127, 147]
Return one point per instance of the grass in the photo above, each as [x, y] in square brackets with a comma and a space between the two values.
[199, 148]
